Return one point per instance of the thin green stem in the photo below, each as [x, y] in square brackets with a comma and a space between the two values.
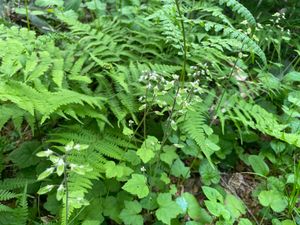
[224, 90]
[67, 188]
[27, 14]
[183, 33]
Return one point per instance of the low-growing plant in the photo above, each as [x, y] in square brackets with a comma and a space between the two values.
[149, 112]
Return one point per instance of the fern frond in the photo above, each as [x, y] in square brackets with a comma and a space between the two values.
[233, 33]
[6, 195]
[5, 209]
[195, 127]
[254, 116]
[15, 183]
[17, 115]
[240, 9]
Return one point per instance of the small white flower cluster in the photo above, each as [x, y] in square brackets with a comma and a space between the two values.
[130, 122]
[157, 87]
[277, 18]
[199, 69]
[71, 146]
[149, 76]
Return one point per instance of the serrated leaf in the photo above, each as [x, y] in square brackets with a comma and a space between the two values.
[148, 149]
[195, 211]
[235, 206]
[208, 173]
[169, 155]
[130, 214]
[168, 209]
[217, 209]
[119, 171]
[178, 169]
[212, 194]
[183, 204]
[273, 199]
[137, 185]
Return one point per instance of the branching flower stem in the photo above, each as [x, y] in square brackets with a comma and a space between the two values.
[66, 187]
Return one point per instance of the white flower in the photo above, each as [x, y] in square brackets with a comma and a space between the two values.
[73, 166]
[143, 169]
[68, 148]
[60, 162]
[130, 122]
[60, 188]
[277, 14]
[175, 76]
[244, 22]
[77, 147]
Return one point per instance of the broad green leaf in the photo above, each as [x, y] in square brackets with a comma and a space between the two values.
[148, 149]
[119, 171]
[168, 209]
[292, 76]
[169, 155]
[195, 211]
[273, 199]
[131, 156]
[137, 185]
[278, 146]
[212, 194]
[178, 169]
[130, 214]
[208, 173]
[149, 202]
[235, 206]
[112, 208]
[183, 204]
[288, 222]
[165, 178]
[217, 209]
[258, 165]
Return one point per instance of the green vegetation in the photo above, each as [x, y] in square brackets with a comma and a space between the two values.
[150, 112]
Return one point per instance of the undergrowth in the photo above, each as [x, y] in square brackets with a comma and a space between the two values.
[149, 112]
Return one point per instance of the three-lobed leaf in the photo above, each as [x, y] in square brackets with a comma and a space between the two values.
[137, 185]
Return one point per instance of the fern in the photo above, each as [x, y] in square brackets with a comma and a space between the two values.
[102, 147]
[195, 127]
[6, 195]
[17, 115]
[235, 34]
[14, 216]
[32, 100]
[254, 116]
[240, 9]
[15, 183]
